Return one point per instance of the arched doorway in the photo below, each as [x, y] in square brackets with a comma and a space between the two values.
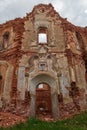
[50, 81]
[43, 100]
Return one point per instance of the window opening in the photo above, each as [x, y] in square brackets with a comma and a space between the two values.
[42, 35]
[40, 86]
[5, 39]
[42, 66]
[42, 38]
[80, 41]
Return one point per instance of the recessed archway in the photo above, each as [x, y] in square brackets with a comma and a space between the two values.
[43, 100]
[47, 79]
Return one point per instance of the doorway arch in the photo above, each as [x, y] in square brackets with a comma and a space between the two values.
[43, 100]
[44, 78]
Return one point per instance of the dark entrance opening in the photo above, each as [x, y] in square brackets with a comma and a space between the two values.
[43, 100]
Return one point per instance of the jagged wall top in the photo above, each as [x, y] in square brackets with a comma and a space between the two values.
[44, 8]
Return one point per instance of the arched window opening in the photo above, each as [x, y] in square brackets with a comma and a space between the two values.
[42, 35]
[5, 40]
[79, 41]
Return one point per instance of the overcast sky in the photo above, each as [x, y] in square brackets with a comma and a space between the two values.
[74, 10]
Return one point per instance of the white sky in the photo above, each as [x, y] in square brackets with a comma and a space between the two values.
[74, 10]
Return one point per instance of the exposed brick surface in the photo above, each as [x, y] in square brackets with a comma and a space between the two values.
[64, 60]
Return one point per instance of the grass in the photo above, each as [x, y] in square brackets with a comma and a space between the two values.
[78, 122]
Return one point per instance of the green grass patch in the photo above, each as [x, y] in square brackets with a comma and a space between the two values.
[78, 122]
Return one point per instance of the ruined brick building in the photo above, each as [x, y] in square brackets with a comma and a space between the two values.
[43, 64]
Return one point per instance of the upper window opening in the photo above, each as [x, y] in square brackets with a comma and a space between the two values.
[42, 35]
[42, 38]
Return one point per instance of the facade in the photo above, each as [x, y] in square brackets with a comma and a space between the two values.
[43, 65]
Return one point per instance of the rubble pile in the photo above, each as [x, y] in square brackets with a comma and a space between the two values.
[8, 119]
[68, 110]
